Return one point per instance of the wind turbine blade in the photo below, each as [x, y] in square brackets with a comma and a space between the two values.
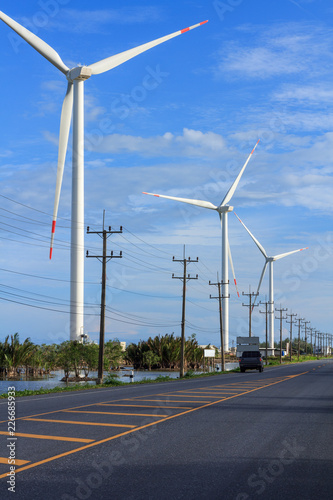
[260, 281]
[233, 187]
[261, 248]
[232, 268]
[198, 203]
[281, 255]
[65, 123]
[117, 59]
[37, 43]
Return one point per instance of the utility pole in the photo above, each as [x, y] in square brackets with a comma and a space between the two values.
[250, 306]
[315, 342]
[104, 259]
[311, 352]
[184, 279]
[319, 338]
[267, 313]
[291, 332]
[281, 310]
[299, 335]
[220, 297]
[306, 338]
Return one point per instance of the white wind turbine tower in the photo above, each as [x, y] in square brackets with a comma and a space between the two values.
[74, 103]
[268, 261]
[222, 210]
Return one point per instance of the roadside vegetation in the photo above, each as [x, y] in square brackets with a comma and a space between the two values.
[163, 352]
[77, 360]
[73, 357]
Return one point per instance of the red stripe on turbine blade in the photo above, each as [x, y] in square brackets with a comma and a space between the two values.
[51, 249]
[157, 195]
[203, 22]
[53, 226]
[236, 288]
[255, 146]
[184, 30]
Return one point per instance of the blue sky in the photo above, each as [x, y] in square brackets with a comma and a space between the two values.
[257, 70]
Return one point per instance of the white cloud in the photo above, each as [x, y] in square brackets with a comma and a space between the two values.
[285, 49]
[317, 94]
[94, 21]
[192, 143]
[5, 153]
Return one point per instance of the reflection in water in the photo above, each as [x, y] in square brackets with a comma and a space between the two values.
[54, 379]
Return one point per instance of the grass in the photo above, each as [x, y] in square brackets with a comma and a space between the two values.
[27, 392]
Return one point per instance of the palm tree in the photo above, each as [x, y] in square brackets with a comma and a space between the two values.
[15, 354]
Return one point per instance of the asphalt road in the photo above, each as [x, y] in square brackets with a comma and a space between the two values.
[236, 436]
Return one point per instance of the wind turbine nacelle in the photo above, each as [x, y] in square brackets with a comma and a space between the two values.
[79, 73]
[225, 208]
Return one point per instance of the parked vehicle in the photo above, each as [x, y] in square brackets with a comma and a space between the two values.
[251, 360]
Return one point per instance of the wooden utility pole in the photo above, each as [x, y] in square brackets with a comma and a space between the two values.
[250, 306]
[218, 284]
[299, 335]
[315, 349]
[291, 332]
[104, 259]
[184, 279]
[267, 313]
[281, 311]
[306, 338]
[311, 329]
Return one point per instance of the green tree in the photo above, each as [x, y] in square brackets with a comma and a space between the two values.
[113, 355]
[150, 359]
[14, 354]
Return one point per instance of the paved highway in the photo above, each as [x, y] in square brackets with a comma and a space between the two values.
[236, 436]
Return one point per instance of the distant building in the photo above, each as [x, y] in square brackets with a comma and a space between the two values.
[121, 344]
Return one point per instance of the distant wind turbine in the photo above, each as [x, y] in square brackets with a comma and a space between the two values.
[74, 103]
[222, 210]
[268, 261]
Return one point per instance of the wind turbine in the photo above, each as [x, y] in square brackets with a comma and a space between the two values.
[222, 210]
[268, 261]
[74, 103]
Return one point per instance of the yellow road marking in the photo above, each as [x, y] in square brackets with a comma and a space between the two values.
[146, 406]
[111, 438]
[188, 396]
[78, 423]
[212, 393]
[165, 400]
[50, 459]
[54, 411]
[55, 438]
[116, 413]
[17, 462]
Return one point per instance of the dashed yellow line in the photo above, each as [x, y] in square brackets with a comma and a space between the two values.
[166, 400]
[189, 396]
[78, 423]
[146, 406]
[55, 438]
[212, 393]
[4, 460]
[116, 413]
